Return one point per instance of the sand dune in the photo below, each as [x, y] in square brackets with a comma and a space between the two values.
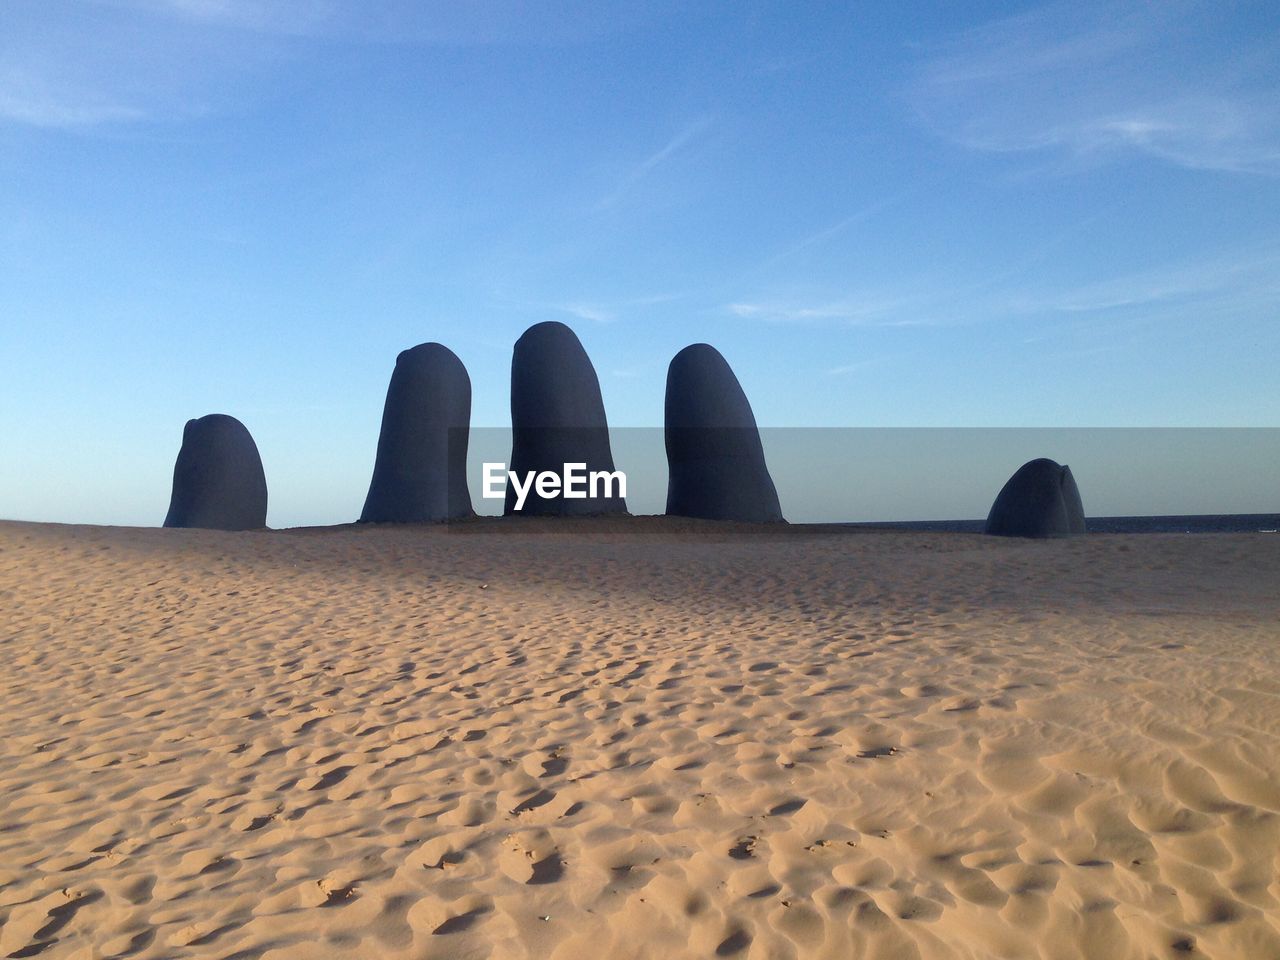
[550, 739]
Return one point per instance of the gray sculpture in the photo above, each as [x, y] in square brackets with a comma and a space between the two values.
[715, 460]
[420, 474]
[557, 417]
[218, 483]
[1040, 500]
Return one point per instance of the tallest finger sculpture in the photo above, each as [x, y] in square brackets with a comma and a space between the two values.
[557, 418]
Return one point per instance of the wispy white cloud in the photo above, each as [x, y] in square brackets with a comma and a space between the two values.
[847, 368]
[832, 231]
[436, 22]
[1238, 278]
[1226, 284]
[686, 135]
[592, 311]
[296, 18]
[39, 102]
[851, 311]
[1095, 84]
[104, 62]
[675, 144]
[825, 234]
[110, 65]
[586, 311]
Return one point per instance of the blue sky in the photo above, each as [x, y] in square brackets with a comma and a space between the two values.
[883, 214]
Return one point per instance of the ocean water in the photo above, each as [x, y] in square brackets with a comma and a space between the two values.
[1196, 523]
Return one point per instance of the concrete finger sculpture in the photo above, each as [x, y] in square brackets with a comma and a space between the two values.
[218, 483]
[716, 466]
[557, 418]
[420, 473]
[1041, 500]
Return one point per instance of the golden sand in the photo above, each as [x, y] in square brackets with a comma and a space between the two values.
[572, 740]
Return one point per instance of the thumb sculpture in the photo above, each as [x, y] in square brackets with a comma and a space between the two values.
[716, 466]
[420, 474]
[1041, 500]
[557, 417]
[218, 483]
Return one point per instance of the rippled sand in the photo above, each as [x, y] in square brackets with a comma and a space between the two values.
[637, 739]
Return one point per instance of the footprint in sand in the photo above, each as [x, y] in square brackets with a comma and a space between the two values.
[531, 858]
[787, 807]
[733, 944]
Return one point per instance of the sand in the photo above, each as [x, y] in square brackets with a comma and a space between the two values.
[561, 739]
